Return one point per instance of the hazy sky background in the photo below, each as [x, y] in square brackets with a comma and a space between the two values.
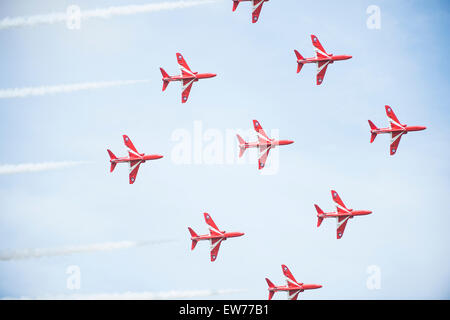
[403, 64]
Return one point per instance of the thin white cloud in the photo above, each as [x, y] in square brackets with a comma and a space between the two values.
[109, 12]
[63, 88]
[36, 167]
[50, 252]
[174, 294]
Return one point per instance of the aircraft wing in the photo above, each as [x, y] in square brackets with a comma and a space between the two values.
[262, 136]
[293, 294]
[318, 48]
[395, 141]
[321, 70]
[185, 70]
[264, 151]
[393, 120]
[187, 85]
[132, 152]
[134, 168]
[215, 246]
[213, 229]
[291, 282]
[340, 206]
[257, 6]
[341, 223]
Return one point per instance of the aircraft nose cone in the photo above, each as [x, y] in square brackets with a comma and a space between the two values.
[158, 156]
[349, 57]
[312, 286]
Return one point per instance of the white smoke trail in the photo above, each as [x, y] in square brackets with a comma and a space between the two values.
[137, 295]
[36, 167]
[98, 13]
[50, 252]
[62, 88]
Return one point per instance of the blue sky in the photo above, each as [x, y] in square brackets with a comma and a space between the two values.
[403, 64]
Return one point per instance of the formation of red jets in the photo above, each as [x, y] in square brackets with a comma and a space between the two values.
[264, 144]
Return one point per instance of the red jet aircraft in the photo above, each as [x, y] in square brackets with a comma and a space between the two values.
[187, 76]
[257, 6]
[322, 59]
[215, 235]
[396, 130]
[264, 144]
[293, 287]
[134, 158]
[342, 215]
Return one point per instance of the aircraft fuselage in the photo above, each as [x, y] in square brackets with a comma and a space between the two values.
[143, 158]
[272, 143]
[197, 76]
[302, 287]
[351, 214]
[331, 59]
[406, 129]
[223, 236]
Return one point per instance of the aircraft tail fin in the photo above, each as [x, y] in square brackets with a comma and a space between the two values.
[299, 57]
[112, 157]
[242, 146]
[164, 73]
[271, 285]
[193, 234]
[235, 4]
[372, 127]
[165, 82]
[319, 211]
